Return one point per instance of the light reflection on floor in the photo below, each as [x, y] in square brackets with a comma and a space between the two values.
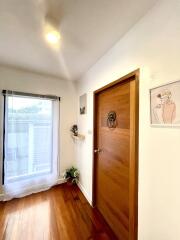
[29, 221]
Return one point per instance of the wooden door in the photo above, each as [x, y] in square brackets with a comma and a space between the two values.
[115, 155]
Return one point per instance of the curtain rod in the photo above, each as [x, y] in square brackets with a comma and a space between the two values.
[23, 94]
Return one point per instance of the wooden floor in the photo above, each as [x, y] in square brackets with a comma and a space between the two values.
[59, 213]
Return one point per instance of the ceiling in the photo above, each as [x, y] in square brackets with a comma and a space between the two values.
[88, 29]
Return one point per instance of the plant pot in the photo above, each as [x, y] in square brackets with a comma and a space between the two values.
[69, 183]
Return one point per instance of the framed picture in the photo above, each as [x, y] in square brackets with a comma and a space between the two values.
[165, 105]
[83, 103]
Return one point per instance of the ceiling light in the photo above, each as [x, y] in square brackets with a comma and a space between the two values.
[51, 32]
[53, 37]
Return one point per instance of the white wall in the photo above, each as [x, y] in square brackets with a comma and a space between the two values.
[18, 80]
[153, 45]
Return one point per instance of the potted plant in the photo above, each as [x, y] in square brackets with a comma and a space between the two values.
[71, 175]
[74, 130]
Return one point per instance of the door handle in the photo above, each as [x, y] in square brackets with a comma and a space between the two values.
[98, 150]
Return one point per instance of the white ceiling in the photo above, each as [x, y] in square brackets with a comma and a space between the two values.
[88, 29]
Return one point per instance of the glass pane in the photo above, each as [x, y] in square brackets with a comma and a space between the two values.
[28, 137]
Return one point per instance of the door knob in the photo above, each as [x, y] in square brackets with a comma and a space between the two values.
[97, 150]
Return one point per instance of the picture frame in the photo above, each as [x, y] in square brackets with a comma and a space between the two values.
[165, 105]
[83, 104]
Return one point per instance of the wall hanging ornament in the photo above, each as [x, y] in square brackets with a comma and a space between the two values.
[111, 119]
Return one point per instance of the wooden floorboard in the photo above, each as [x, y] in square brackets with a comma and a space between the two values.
[61, 213]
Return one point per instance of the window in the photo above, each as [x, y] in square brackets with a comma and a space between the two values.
[30, 143]
[28, 137]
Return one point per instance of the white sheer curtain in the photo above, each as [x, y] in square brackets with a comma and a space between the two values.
[31, 155]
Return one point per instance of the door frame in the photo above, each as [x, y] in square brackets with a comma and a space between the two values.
[134, 146]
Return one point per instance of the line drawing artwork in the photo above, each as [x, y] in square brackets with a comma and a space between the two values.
[165, 104]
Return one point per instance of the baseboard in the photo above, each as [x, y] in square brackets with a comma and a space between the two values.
[85, 193]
